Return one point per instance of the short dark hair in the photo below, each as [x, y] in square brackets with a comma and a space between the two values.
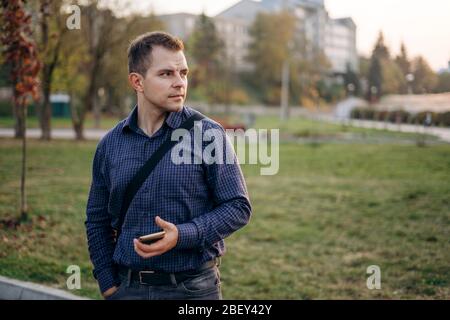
[140, 49]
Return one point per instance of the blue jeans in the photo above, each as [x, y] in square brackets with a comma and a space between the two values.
[205, 285]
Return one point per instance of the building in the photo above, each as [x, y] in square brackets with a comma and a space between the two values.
[336, 38]
[234, 33]
[340, 45]
[444, 70]
[179, 24]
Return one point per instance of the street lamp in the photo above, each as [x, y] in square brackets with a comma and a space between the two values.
[101, 92]
[374, 90]
[351, 88]
[410, 78]
[373, 93]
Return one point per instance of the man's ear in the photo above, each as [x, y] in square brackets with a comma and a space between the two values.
[136, 81]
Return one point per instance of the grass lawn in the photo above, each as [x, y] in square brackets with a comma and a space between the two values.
[332, 211]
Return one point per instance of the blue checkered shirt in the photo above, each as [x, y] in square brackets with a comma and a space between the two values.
[207, 202]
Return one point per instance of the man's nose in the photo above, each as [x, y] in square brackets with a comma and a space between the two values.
[179, 81]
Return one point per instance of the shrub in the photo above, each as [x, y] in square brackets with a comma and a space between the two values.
[443, 119]
[6, 109]
[401, 116]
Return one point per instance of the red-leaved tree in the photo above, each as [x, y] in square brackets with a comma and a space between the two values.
[20, 53]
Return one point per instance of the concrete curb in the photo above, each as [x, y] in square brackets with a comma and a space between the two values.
[11, 289]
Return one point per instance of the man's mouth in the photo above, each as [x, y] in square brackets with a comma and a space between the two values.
[177, 96]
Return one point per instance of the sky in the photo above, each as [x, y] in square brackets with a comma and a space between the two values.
[424, 26]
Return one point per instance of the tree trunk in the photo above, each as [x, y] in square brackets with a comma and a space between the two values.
[97, 112]
[46, 112]
[91, 103]
[89, 98]
[23, 196]
[19, 125]
[79, 130]
[77, 119]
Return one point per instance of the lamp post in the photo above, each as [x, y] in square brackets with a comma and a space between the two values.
[351, 89]
[285, 91]
[410, 79]
[373, 93]
[285, 75]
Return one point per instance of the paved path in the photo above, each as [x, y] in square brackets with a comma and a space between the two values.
[93, 134]
[12, 289]
[89, 134]
[441, 133]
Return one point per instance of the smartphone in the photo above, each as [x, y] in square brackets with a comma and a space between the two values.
[151, 238]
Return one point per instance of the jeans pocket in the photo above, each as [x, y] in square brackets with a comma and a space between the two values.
[205, 282]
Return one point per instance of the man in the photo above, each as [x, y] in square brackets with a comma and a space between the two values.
[197, 204]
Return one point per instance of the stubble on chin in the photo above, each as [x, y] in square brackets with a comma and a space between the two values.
[178, 108]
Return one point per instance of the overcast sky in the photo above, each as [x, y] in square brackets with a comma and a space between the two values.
[424, 26]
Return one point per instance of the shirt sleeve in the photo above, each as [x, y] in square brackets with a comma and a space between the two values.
[98, 225]
[232, 209]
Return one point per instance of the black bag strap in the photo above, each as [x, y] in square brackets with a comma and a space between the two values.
[143, 173]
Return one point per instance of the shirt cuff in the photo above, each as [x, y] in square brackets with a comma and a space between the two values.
[187, 236]
[106, 279]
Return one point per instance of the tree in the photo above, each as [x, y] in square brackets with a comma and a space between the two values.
[352, 83]
[279, 47]
[364, 66]
[375, 79]
[425, 79]
[113, 73]
[102, 33]
[443, 84]
[272, 42]
[311, 69]
[403, 60]
[404, 64]
[71, 76]
[380, 53]
[385, 75]
[393, 79]
[52, 31]
[21, 52]
[95, 60]
[207, 51]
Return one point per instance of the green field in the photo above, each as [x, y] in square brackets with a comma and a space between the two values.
[332, 211]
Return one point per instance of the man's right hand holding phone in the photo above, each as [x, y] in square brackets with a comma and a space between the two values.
[161, 246]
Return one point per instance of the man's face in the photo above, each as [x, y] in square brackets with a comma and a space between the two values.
[165, 83]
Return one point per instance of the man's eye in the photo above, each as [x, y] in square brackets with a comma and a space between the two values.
[165, 74]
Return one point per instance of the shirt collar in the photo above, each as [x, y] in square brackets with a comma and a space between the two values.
[131, 120]
[173, 120]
